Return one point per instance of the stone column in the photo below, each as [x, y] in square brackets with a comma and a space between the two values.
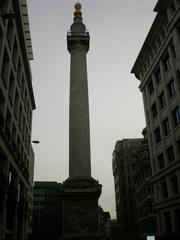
[79, 133]
[80, 190]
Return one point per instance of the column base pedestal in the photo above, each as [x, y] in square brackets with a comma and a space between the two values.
[80, 209]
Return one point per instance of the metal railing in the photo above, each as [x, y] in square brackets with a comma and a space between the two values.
[70, 33]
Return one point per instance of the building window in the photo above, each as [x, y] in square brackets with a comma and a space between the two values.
[158, 135]
[162, 100]
[178, 145]
[11, 88]
[166, 62]
[174, 185]
[3, 6]
[145, 68]
[177, 219]
[176, 115]
[124, 191]
[171, 88]
[2, 102]
[172, 8]
[154, 110]
[22, 87]
[166, 126]
[155, 49]
[141, 74]
[161, 161]
[15, 53]
[148, 62]
[10, 32]
[19, 72]
[158, 75]
[25, 99]
[167, 222]
[23, 127]
[163, 34]
[166, 19]
[14, 137]
[147, 116]
[8, 125]
[30, 117]
[18, 146]
[170, 154]
[16, 104]
[151, 87]
[164, 189]
[5, 68]
[1, 38]
[20, 117]
[151, 57]
[173, 50]
[159, 42]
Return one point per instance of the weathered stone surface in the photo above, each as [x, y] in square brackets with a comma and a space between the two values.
[80, 208]
[79, 133]
[80, 190]
[83, 185]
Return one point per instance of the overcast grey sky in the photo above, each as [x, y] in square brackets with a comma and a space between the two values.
[117, 29]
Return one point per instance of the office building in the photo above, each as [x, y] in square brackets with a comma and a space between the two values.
[158, 69]
[124, 164]
[143, 192]
[47, 211]
[16, 106]
[105, 223]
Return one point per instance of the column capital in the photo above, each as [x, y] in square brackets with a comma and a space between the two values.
[78, 41]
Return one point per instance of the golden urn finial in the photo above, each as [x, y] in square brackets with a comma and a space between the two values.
[78, 12]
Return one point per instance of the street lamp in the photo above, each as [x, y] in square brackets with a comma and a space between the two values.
[36, 141]
[33, 141]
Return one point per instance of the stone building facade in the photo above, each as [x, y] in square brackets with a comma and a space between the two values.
[158, 69]
[16, 106]
[47, 211]
[143, 192]
[124, 163]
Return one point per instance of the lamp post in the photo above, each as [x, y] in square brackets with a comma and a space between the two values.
[33, 141]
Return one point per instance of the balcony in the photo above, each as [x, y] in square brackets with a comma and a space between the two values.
[86, 33]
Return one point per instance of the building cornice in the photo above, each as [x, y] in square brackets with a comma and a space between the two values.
[147, 46]
[151, 36]
[23, 42]
[161, 50]
[26, 28]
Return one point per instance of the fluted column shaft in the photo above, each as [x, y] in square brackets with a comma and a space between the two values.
[79, 133]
